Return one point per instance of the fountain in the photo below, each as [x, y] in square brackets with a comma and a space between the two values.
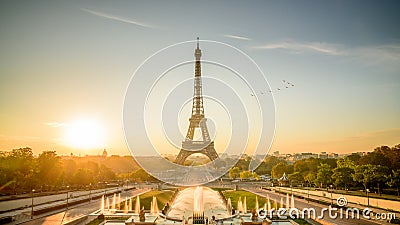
[257, 206]
[240, 205]
[119, 201]
[245, 205]
[229, 206]
[154, 206]
[129, 203]
[102, 204]
[287, 201]
[107, 203]
[194, 205]
[198, 200]
[126, 205]
[188, 201]
[137, 205]
[114, 201]
[198, 207]
[292, 203]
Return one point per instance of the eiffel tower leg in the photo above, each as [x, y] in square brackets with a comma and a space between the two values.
[211, 153]
[180, 159]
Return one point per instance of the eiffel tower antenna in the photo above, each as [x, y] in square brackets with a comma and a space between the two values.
[197, 121]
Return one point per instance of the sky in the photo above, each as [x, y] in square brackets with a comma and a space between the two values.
[65, 67]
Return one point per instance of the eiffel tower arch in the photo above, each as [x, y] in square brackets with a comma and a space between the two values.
[197, 120]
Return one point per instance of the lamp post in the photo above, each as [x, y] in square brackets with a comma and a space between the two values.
[67, 195]
[331, 194]
[308, 192]
[33, 190]
[90, 192]
[367, 196]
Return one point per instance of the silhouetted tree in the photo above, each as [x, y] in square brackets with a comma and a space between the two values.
[49, 169]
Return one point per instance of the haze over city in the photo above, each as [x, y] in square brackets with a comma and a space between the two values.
[333, 68]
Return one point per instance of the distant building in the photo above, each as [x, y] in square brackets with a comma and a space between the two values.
[333, 155]
[104, 153]
[323, 155]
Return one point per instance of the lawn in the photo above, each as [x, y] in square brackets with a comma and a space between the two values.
[250, 198]
[162, 198]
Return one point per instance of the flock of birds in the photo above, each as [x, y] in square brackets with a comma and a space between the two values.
[285, 85]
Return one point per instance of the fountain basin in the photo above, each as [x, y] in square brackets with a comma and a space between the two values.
[194, 200]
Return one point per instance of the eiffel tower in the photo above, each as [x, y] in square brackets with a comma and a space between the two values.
[197, 121]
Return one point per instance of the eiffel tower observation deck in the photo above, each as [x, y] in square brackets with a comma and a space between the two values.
[197, 121]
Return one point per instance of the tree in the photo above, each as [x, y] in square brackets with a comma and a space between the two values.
[331, 162]
[395, 157]
[342, 176]
[296, 177]
[49, 168]
[142, 175]
[83, 177]
[346, 162]
[280, 168]
[234, 173]
[21, 168]
[246, 174]
[354, 157]
[310, 178]
[243, 163]
[306, 166]
[106, 174]
[394, 180]
[380, 177]
[376, 158]
[68, 171]
[266, 166]
[324, 174]
[370, 174]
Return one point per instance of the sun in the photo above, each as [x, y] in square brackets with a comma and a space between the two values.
[84, 134]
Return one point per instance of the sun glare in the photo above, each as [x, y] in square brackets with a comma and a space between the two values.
[84, 134]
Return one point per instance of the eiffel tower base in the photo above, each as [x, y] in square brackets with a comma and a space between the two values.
[209, 151]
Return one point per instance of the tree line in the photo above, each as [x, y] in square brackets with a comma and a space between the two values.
[21, 171]
[374, 171]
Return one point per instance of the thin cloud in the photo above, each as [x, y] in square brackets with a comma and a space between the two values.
[117, 18]
[237, 37]
[55, 124]
[377, 54]
[388, 53]
[297, 47]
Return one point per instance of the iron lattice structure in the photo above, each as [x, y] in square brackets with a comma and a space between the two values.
[197, 121]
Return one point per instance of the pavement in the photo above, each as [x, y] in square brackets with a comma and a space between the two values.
[21, 203]
[63, 215]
